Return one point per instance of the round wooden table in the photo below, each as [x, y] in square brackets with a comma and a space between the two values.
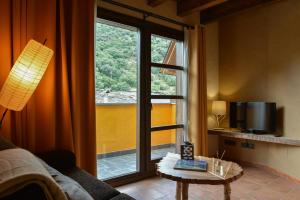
[165, 169]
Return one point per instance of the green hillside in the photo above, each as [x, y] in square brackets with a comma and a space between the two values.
[117, 59]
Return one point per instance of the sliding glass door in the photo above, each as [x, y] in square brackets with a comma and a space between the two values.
[116, 76]
[140, 95]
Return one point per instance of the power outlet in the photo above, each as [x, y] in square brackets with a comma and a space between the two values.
[248, 145]
[230, 142]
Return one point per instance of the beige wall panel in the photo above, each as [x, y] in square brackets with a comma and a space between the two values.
[212, 65]
[260, 60]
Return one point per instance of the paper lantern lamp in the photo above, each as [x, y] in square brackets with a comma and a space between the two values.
[25, 75]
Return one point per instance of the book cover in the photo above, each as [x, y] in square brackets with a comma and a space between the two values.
[191, 165]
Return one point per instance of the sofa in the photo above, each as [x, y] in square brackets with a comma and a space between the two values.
[65, 162]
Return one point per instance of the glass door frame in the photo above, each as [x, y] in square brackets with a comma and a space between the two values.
[182, 96]
[145, 166]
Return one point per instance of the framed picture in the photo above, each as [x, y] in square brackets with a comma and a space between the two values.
[187, 151]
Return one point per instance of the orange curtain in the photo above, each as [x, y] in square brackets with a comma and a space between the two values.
[197, 90]
[61, 113]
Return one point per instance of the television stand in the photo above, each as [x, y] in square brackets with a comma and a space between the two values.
[268, 138]
[255, 132]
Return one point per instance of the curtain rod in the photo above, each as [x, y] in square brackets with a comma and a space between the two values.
[148, 14]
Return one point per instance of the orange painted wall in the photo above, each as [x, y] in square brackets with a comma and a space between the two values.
[116, 126]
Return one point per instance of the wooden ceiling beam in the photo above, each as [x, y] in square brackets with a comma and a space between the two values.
[228, 8]
[186, 7]
[154, 3]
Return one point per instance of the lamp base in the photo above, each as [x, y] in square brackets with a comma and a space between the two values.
[218, 128]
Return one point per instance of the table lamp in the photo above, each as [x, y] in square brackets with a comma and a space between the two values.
[219, 110]
[25, 76]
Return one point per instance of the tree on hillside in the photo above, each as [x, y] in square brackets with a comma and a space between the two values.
[116, 60]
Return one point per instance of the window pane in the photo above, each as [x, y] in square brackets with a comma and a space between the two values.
[165, 81]
[166, 51]
[116, 63]
[162, 142]
[166, 112]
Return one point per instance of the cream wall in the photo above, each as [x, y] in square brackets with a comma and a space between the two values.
[260, 60]
[212, 65]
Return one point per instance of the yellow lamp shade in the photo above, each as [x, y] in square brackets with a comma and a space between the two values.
[219, 107]
[25, 75]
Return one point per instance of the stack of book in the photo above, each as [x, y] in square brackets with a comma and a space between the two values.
[191, 165]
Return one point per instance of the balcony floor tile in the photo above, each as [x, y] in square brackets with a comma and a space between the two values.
[124, 164]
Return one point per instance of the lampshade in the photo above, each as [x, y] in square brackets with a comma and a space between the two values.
[25, 75]
[219, 107]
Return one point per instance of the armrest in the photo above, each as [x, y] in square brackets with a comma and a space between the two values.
[61, 160]
[96, 188]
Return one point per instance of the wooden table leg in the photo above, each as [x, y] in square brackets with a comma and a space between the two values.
[185, 191]
[178, 190]
[227, 191]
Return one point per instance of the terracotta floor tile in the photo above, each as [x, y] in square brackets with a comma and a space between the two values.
[256, 184]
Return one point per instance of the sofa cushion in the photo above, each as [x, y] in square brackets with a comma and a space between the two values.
[20, 168]
[98, 189]
[69, 186]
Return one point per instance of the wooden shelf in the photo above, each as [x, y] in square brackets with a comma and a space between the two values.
[255, 137]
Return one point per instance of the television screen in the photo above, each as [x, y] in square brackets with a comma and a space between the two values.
[256, 117]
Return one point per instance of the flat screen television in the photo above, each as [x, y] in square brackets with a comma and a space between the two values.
[253, 117]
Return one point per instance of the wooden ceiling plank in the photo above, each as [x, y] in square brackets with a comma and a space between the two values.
[186, 7]
[228, 8]
[155, 3]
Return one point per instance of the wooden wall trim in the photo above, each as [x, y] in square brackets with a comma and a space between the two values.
[154, 3]
[186, 7]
